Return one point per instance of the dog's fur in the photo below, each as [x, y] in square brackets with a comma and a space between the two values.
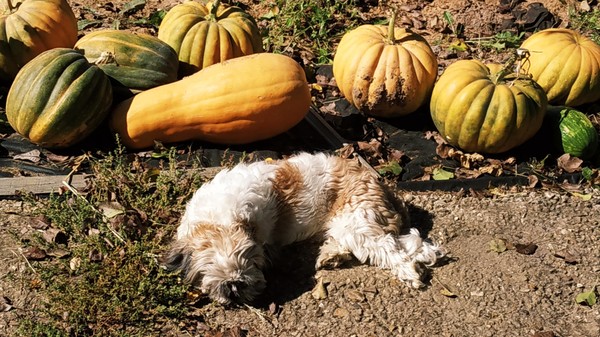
[220, 245]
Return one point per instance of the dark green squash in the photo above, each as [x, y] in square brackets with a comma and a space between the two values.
[58, 98]
[134, 62]
[571, 131]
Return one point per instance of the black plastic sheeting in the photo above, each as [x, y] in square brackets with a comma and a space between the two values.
[318, 132]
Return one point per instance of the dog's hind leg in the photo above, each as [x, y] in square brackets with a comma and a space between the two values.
[362, 233]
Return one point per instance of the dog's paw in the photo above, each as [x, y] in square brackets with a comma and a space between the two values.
[332, 261]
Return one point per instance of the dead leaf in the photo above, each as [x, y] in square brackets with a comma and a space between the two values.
[319, 292]
[568, 256]
[569, 164]
[54, 235]
[497, 245]
[34, 253]
[75, 263]
[95, 255]
[40, 222]
[5, 304]
[533, 180]
[55, 158]
[584, 6]
[435, 136]
[32, 156]
[468, 160]
[328, 108]
[111, 209]
[526, 249]
[584, 197]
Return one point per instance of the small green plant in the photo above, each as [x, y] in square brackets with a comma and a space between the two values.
[501, 41]
[111, 283]
[586, 22]
[310, 27]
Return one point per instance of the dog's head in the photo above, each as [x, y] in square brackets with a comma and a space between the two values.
[224, 262]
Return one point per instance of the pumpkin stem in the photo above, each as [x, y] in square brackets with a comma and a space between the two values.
[11, 7]
[507, 68]
[392, 28]
[213, 10]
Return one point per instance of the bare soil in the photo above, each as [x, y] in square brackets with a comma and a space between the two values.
[551, 237]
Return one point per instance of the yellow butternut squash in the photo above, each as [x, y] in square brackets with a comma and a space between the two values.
[237, 101]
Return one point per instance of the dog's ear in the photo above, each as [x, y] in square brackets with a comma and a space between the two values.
[177, 258]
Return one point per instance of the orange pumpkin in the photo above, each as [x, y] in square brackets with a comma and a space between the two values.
[566, 64]
[385, 71]
[30, 28]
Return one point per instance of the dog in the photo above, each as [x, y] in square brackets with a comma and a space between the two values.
[222, 241]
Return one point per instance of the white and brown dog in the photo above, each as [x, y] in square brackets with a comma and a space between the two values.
[221, 241]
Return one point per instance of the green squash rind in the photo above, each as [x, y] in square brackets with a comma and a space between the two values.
[58, 98]
[572, 132]
[140, 61]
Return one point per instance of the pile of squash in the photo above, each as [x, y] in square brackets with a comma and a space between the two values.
[206, 77]
[487, 108]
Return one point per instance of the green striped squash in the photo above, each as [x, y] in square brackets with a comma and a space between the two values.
[203, 34]
[58, 98]
[480, 107]
[134, 62]
[572, 132]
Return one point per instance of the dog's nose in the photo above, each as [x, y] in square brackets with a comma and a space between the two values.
[235, 287]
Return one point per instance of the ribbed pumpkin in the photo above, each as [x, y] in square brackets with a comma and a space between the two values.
[566, 64]
[31, 27]
[571, 131]
[58, 98]
[479, 110]
[133, 61]
[383, 70]
[203, 35]
[238, 101]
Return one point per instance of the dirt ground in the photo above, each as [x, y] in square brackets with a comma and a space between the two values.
[529, 289]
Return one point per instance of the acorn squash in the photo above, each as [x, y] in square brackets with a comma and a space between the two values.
[58, 98]
[134, 62]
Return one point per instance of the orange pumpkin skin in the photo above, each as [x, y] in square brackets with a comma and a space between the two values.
[32, 28]
[566, 64]
[205, 34]
[238, 101]
[381, 76]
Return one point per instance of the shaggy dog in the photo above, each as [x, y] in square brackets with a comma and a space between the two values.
[227, 225]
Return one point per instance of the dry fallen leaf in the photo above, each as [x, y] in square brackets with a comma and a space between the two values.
[40, 222]
[32, 156]
[34, 253]
[5, 304]
[569, 164]
[526, 249]
[319, 292]
[498, 246]
[568, 256]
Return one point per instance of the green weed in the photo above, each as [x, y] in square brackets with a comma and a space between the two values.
[110, 283]
[309, 27]
[586, 22]
[500, 42]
